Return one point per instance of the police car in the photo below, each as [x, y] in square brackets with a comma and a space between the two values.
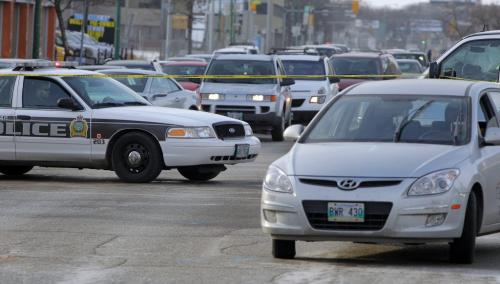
[75, 118]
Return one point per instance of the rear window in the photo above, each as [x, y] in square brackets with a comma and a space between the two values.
[241, 68]
[299, 68]
[356, 66]
[183, 70]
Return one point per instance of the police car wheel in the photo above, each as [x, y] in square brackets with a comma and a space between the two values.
[136, 158]
[278, 129]
[15, 170]
[198, 173]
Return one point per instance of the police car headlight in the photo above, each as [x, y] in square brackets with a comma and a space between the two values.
[262, 98]
[248, 130]
[317, 99]
[434, 183]
[212, 97]
[191, 132]
[277, 180]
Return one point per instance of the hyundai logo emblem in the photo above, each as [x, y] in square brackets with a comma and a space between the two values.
[232, 130]
[348, 184]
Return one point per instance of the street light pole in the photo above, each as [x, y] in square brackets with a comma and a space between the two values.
[36, 30]
[117, 29]
[231, 22]
[84, 27]
[269, 25]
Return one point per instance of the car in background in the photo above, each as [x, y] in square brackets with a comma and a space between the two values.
[406, 54]
[475, 57]
[410, 68]
[325, 49]
[206, 57]
[164, 92]
[402, 161]
[185, 68]
[264, 102]
[362, 66]
[314, 84]
[134, 64]
[180, 59]
[94, 52]
[247, 45]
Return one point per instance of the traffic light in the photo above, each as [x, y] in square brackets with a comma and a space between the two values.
[355, 7]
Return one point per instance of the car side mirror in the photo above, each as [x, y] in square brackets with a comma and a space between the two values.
[68, 103]
[195, 80]
[287, 82]
[434, 70]
[492, 136]
[333, 80]
[293, 132]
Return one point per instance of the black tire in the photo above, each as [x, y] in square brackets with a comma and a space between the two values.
[462, 249]
[149, 164]
[278, 129]
[283, 249]
[198, 173]
[15, 170]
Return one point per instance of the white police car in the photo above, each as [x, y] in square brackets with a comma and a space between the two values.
[74, 118]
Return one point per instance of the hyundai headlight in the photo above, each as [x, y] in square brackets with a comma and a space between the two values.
[434, 183]
[212, 97]
[277, 180]
[262, 98]
[191, 132]
[248, 130]
[317, 99]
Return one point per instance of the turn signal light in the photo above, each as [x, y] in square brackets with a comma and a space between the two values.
[177, 132]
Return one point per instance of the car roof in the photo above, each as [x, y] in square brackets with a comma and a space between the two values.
[128, 62]
[99, 67]
[300, 57]
[417, 87]
[358, 55]
[183, 63]
[494, 32]
[256, 57]
[131, 71]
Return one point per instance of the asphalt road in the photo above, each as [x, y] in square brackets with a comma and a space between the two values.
[84, 226]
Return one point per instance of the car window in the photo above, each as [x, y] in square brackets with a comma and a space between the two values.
[495, 99]
[410, 67]
[241, 67]
[390, 118]
[6, 87]
[136, 84]
[185, 70]
[305, 68]
[476, 60]
[42, 93]
[163, 86]
[486, 115]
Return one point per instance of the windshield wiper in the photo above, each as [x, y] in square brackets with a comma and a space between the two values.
[408, 118]
[108, 104]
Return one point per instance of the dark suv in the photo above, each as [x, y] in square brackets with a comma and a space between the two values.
[364, 64]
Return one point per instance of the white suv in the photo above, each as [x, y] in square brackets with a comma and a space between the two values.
[309, 93]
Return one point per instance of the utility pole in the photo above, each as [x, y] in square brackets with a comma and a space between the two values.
[84, 29]
[36, 30]
[117, 29]
[269, 25]
[231, 23]
[211, 29]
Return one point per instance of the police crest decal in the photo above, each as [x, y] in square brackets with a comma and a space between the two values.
[78, 127]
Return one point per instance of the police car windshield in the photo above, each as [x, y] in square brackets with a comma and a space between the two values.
[104, 92]
[305, 68]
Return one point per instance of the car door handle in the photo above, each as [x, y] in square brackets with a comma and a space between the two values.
[24, 117]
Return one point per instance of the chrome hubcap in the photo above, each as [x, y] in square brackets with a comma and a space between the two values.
[134, 158]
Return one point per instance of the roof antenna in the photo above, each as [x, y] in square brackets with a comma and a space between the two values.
[486, 27]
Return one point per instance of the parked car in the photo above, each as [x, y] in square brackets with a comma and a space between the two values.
[73, 118]
[190, 59]
[309, 94]
[376, 66]
[185, 68]
[235, 50]
[94, 52]
[410, 68]
[475, 57]
[402, 161]
[405, 54]
[164, 92]
[265, 103]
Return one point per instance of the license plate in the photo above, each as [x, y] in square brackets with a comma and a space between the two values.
[346, 212]
[242, 150]
[235, 115]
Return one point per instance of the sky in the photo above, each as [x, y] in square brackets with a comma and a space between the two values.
[402, 3]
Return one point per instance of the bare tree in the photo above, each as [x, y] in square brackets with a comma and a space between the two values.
[59, 7]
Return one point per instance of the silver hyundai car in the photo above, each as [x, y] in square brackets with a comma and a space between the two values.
[403, 161]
